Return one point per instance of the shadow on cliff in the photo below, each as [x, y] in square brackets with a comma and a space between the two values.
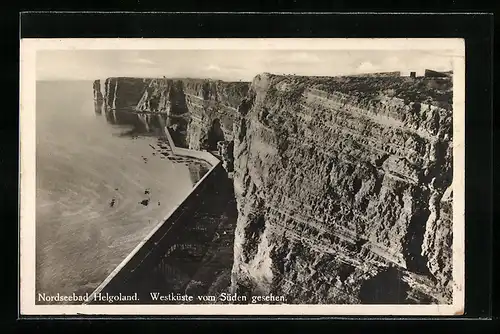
[385, 288]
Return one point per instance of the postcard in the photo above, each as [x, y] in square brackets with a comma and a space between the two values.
[242, 176]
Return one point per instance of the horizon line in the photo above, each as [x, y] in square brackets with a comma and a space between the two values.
[243, 80]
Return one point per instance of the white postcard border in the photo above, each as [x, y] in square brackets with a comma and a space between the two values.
[452, 47]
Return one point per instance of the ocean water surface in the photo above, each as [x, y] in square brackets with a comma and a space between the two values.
[100, 190]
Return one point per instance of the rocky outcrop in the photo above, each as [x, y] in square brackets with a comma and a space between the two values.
[98, 96]
[200, 112]
[124, 93]
[343, 184]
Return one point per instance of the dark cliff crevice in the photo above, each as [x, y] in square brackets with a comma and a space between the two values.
[178, 126]
[253, 233]
[177, 99]
[354, 164]
[386, 287]
[246, 104]
[215, 135]
[98, 97]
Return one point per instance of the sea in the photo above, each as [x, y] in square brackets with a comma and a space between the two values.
[103, 183]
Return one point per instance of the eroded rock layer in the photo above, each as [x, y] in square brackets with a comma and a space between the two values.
[343, 188]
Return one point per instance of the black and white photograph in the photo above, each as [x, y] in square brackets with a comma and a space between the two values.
[242, 176]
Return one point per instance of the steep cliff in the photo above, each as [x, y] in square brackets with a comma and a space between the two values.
[343, 188]
[200, 113]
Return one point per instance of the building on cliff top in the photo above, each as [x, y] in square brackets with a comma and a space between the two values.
[425, 73]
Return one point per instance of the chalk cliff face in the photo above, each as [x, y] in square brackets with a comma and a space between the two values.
[124, 93]
[343, 185]
[212, 107]
[98, 96]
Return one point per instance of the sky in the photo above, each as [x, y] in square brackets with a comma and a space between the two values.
[230, 65]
